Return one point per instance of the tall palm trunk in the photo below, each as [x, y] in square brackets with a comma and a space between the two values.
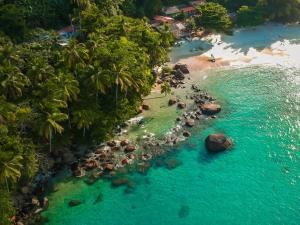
[117, 86]
[6, 182]
[50, 142]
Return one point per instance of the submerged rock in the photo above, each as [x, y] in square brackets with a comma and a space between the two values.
[130, 148]
[183, 211]
[119, 181]
[73, 203]
[186, 133]
[124, 142]
[181, 105]
[145, 107]
[112, 143]
[190, 122]
[172, 163]
[217, 143]
[210, 108]
[172, 100]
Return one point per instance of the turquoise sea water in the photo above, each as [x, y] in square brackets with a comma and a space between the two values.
[257, 182]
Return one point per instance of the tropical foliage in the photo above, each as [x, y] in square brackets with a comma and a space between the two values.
[54, 95]
[214, 17]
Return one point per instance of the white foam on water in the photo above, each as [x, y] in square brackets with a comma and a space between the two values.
[262, 45]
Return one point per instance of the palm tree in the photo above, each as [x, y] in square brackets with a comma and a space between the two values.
[10, 170]
[67, 86]
[6, 110]
[39, 70]
[84, 119]
[81, 3]
[50, 123]
[76, 53]
[13, 81]
[123, 79]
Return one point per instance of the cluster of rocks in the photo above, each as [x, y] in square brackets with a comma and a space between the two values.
[106, 159]
[30, 202]
[175, 77]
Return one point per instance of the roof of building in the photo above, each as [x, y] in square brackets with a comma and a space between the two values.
[188, 9]
[163, 19]
[180, 26]
[172, 10]
[196, 3]
[68, 29]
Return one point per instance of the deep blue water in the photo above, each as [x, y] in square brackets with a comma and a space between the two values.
[257, 182]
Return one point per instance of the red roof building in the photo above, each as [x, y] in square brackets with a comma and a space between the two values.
[68, 29]
[188, 10]
[163, 19]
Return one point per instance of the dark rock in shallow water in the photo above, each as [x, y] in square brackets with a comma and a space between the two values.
[124, 142]
[130, 148]
[120, 181]
[90, 180]
[210, 108]
[186, 133]
[172, 163]
[112, 143]
[181, 105]
[108, 167]
[183, 211]
[145, 107]
[190, 122]
[172, 100]
[73, 203]
[217, 143]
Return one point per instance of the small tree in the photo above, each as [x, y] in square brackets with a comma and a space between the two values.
[213, 17]
[249, 16]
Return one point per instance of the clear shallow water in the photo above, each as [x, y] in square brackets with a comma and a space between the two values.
[255, 183]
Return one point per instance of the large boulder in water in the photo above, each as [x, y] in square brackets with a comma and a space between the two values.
[210, 108]
[217, 143]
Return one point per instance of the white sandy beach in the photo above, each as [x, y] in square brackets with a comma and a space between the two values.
[272, 44]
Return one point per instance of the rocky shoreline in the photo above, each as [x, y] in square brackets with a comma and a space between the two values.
[106, 160]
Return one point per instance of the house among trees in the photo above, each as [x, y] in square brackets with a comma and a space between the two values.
[189, 10]
[65, 34]
[178, 29]
[196, 3]
[163, 19]
[172, 11]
